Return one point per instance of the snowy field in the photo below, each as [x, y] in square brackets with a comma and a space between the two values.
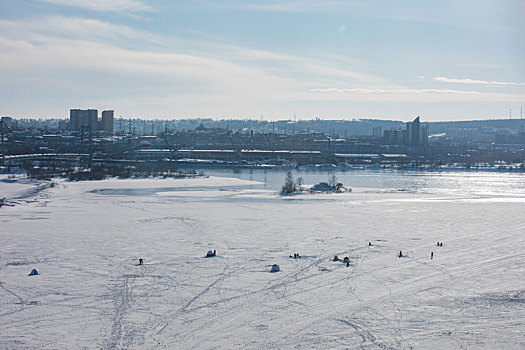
[85, 239]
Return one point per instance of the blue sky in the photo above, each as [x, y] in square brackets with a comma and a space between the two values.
[332, 59]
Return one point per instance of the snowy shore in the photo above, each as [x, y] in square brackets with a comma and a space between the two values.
[85, 239]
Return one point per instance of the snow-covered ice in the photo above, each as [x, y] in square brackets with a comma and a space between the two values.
[85, 240]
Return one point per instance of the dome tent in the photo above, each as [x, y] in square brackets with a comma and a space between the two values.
[33, 272]
[275, 268]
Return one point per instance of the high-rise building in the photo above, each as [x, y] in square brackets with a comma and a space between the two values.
[79, 118]
[417, 134]
[395, 137]
[106, 123]
[377, 132]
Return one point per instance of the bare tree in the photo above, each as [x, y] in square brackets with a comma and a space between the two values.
[332, 181]
[300, 183]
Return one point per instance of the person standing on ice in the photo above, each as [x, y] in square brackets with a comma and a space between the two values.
[141, 261]
[431, 255]
[400, 254]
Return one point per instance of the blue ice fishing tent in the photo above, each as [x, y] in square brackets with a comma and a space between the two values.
[33, 272]
[275, 268]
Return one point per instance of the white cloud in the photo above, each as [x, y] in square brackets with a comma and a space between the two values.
[477, 82]
[104, 5]
[394, 91]
[55, 55]
[412, 95]
[342, 74]
[76, 28]
[275, 5]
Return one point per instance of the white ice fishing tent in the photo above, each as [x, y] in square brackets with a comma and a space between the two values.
[275, 268]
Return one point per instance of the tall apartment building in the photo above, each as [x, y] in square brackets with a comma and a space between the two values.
[106, 123]
[79, 118]
[377, 132]
[417, 134]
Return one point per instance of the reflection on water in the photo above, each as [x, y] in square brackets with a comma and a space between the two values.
[468, 183]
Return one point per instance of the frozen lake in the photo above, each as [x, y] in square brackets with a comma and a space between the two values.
[85, 239]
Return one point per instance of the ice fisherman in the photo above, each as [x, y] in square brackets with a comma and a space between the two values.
[431, 255]
[369, 244]
[141, 261]
[400, 254]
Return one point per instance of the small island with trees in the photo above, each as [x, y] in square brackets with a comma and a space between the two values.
[292, 186]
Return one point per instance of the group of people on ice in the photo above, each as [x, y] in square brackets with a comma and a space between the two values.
[345, 260]
[439, 244]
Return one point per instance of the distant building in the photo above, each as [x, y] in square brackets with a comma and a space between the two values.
[79, 118]
[417, 134]
[377, 132]
[63, 125]
[107, 121]
[8, 121]
[394, 137]
[500, 138]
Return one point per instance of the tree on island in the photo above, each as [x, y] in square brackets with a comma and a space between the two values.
[299, 183]
[332, 181]
[289, 186]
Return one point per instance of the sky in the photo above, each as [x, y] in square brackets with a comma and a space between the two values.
[271, 60]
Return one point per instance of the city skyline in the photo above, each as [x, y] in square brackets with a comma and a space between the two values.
[243, 59]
